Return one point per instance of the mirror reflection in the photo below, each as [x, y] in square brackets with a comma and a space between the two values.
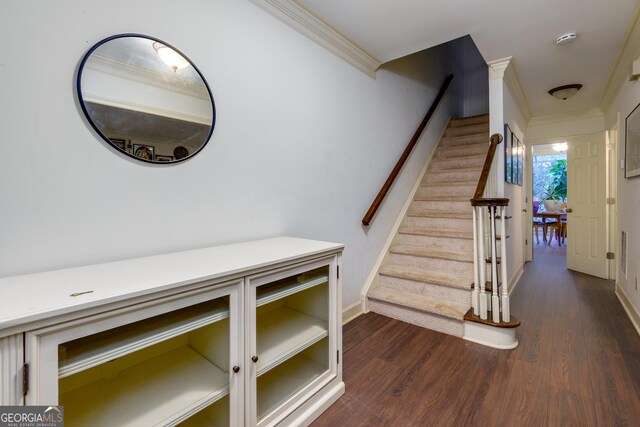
[146, 98]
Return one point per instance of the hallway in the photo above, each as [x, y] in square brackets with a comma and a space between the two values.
[578, 363]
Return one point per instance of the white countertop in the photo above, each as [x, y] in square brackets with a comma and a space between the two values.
[33, 297]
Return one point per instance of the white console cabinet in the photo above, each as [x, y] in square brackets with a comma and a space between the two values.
[244, 334]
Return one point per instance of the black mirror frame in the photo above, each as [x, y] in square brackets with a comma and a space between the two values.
[103, 136]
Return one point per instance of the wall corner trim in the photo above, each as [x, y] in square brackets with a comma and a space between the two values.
[628, 306]
[515, 279]
[303, 21]
[352, 311]
[622, 67]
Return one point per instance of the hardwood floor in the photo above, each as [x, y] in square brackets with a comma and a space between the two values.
[578, 363]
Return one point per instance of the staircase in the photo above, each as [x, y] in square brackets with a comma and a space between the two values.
[428, 272]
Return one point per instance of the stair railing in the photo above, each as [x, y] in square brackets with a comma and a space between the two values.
[368, 217]
[486, 212]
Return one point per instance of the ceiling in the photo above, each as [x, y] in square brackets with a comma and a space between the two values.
[525, 30]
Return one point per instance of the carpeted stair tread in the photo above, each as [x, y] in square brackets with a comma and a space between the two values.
[426, 252]
[443, 199]
[439, 214]
[426, 276]
[455, 183]
[465, 141]
[418, 302]
[472, 169]
[424, 231]
[458, 158]
[465, 121]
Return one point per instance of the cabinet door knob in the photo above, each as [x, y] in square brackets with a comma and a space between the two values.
[236, 369]
[255, 359]
[569, 210]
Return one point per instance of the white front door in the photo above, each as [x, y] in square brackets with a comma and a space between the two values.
[586, 204]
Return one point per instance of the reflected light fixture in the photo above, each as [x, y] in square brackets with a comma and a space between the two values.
[560, 147]
[170, 57]
[565, 92]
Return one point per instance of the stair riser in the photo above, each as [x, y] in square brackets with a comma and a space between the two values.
[467, 121]
[443, 293]
[439, 223]
[465, 150]
[418, 318]
[446, 190]
[444, 164]
[458, 141]
[468, 130]
[449, 176]
[447, 243]
[464, 269]
[464, 206]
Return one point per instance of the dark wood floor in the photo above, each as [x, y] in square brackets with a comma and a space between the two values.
[578, 363]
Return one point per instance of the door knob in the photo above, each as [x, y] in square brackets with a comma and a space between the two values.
[255, 359]
[236, 369]
[524, 210]
[569, 210]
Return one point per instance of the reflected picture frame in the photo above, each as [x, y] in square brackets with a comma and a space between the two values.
[508, 154]
[632, 144]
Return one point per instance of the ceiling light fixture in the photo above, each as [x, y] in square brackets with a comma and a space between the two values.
[560, 147]
[170, 57]
[565, 92]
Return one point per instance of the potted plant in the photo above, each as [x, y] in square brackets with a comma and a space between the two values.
[556, 192]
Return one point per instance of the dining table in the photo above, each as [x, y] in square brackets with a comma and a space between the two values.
[546, 216]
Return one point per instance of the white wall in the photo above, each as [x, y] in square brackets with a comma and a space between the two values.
[628, 200]
[302, 142]
[555, 128]
[514, 117]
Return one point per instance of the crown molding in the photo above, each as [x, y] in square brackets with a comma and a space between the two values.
[303, 21]
[146, 76]
[622, 69]
[505, 69]
[591, 113]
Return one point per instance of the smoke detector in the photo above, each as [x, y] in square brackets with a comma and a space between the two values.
[566, 38]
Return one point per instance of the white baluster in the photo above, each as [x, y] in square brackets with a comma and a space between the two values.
[475, 295]
[506, 315]
[482, 266]
[495, 301]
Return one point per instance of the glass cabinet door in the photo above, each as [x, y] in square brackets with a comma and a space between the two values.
[168, 369]
[291, 351]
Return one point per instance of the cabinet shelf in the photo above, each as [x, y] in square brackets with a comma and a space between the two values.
[84, 353]
[284, 381]
[269, 293]
[283, 333]
[163, 390]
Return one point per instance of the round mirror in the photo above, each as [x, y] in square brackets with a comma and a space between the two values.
[146, 98]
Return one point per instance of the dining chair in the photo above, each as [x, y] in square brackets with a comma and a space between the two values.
[539, 223]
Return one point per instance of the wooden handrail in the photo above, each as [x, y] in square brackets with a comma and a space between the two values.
[477, 199]
[405, 155]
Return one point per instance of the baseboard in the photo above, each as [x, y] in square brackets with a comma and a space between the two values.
[351, 312]
[515, 280]
[628, 306]
[392, 234]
